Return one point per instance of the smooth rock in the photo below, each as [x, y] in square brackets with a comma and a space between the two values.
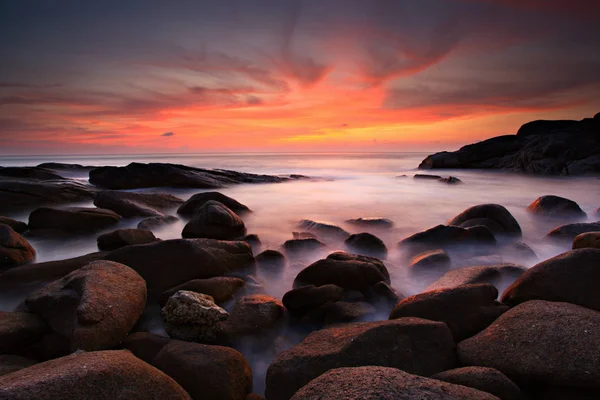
[306, 298]
[340, 312]
[157, 222]
[15, 250]
[252, 315]
[72, 220]
[215, 221]
[271, 261]
[145, 346]
[487, 380]
[17, 226]
[304, 235]
[220, 288]
[587, 240]
[493, 216]
[125, 237]
[130, 204]
[371, 222]
[556, 207]
[366, 244]
[33, 173]
[437, 259]
[324, 230]
[191, 206]
[19, 330]
[295, 246]
[493, 274]
[447, 238]
[23, 194]
[568, 232]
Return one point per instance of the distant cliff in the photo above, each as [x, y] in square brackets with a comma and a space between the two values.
[539, 147]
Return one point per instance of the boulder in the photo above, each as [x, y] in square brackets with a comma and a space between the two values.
[125, 237]
[206, 372]
[540, 342]
[220, 288]
[157, 222]
[570, 277]
[194, 203]
[102, 375]
[437, 259]
[493, 216]
[324, 230]
[17, 226]
[383, 383]
[447, 238]
[215, 221]
[271, 261]
[381, 292]
[411, 344]
[493, 274]
[193, 317]
[587, 240]
[556, 207]
[253, 240]
[348, 271]
[568, 232]
[366, 244]
[487, 380]
[145, 346]
[371, 222]
[14, 249]
[73, 219]
[296, 246]
[24, 194]
[94, 307]
[306, 298]
[10, 363]
[252, 315]
[33, 173]
[130, 204]
[340, 312]
[19, 330]
[466, 309]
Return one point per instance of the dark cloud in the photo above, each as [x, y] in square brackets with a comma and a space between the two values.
[167, 134]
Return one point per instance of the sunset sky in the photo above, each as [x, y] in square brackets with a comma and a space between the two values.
[128, 76]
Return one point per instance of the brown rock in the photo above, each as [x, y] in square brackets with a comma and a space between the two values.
[492, 274]
[17, 226]
[14, 249]
[366, 244]
[493, 216]
[220, 288]
[156, 222]
[10, 363]
[303, 299]
[487, 380]
[568, 232]
[324, 230]
[144, 345]
[191, 206]
[438, 259]
[125, 237]
[295, 246]
[252, 315]
[271, 261]
[556, 207]
[587, 240]
[131, 204]
[19, 330]
[73, 219]
[340, 312]
[448, 238]
[215, 221]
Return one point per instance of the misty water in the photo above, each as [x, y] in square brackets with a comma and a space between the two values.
[345, 186]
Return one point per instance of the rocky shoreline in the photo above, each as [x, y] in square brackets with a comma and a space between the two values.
[480, 330]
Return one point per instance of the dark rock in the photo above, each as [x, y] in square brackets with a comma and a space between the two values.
[253, 240]
[101, 375]
[191, 206]
[94, 307]
[466, 309]
[419, 346]
[18, 330]
[565, 393]
[23, 193]
[518, 252]
[254, 396]
[144, 345]
[428, 177]
[383, 383]
[382, 292]
[66, 167]
[493, 216]
[17, 226]
[33, 173]
[10, 363]
[447, 238]
[568, 232]
[306, 298]
[271, 261]
[14, 249]
[125, 237]
[137, 176]
[571, 277]
[556, 207]
[366, 244]
[492, 274]
[295, 246]
[487, 380]
[206, 372]
[371, 222]
[437, 259]
[540, 342]
[50, 347]
[73, 219]
[587, 240]
[324, 230]
[130, 204]
[220, 288]
[345, 270]
[340, 312]
[544, 127]
[304, 235]
[451, 180]
[157, 222]
[252, 315]
[215, 221]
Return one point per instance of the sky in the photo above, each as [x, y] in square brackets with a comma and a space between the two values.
[147, 76]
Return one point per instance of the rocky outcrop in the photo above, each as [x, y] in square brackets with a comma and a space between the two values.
[72, 220]
[493, 216]
[556, 207]
[26, 193]
[587, 240]
[18, 330]
[492, 274]
[324, 230]
[220, 288]
[487, 380]
[371, 222]
[130, 204]
[194, 203]
[137, 176]
[156, 222]
[125, 237]
[540, 147]
[14, 249]
[17, 226]
[568, 232]
[366, 244]
[448, 238]
[215, 221]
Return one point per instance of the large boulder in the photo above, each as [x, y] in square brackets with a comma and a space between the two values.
[540, 342]
[169, 263]
[214, 220]
[587, 240]
[448, 238]
[324, 230]
[568, 232]
[19, 330]
[411, 344]
[371, 222]
[366, 244]
[220, 288]
[72, 220]
[125, 237]
[15, 250]
[194, 203]
[156, 222]
[487, 380]
[381, 383]
[130, 204]
[101, 375]
[17, 226]
[493, 216]
[571, 277]
[24, 193]
[466, 309]
[303, 299]
[94, 307]
[556, 207]
[493, 274]
[345, 270]
[206, 372]
[428, 260]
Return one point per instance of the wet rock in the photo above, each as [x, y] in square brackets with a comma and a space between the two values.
[23, 194]
[220, 288]
[493, 216]
[487, 380]
[206, 372]
[304, 235]
[568, 232]
[466, 309]
[437, 259]
[17, 226]
[10, 363]
[191, 206]
[215, 221]
[366, 244]
[345, 270]
[306, 298]
[271, 261]
[571, 277]
[125, 237]
[19, 330]
[447, 238]
[371, 222]
[130, 204]
[324, 230]
[492, 274]
[421, 347]
[252, 315]
[15, 250]
[540, 342]
[157, 222]
[72, 219]
[94, 307]
[145, 346]
[295, 246]
[102, 375]
[193, 317]
[383, 383]
[556, 207]
[587, 240]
